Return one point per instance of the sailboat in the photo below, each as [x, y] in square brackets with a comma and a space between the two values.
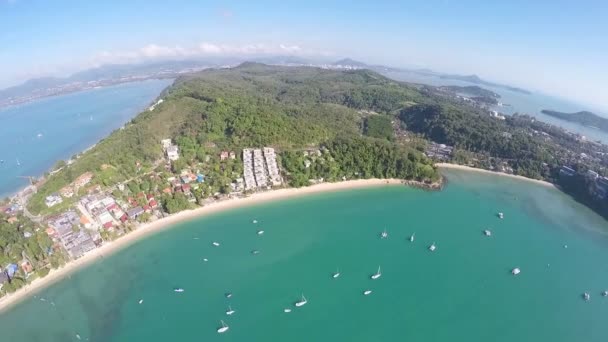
[412, 237]
[223, 329]
[337, 274]
[229, 311]
[384, 234]
[302, 301]
[377, 275]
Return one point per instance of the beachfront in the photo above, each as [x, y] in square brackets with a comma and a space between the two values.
[502, 174]
[168, 222]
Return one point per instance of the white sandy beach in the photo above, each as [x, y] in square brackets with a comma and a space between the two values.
[502, 174]
[168, 222]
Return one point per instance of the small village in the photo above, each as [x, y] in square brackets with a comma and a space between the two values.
[93, 214]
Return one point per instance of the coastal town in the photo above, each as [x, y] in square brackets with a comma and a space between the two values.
[92, 214]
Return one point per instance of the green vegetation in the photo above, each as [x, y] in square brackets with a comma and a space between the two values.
[228, 109]
[378, 126]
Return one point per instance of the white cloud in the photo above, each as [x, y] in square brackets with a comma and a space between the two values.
[155, 51]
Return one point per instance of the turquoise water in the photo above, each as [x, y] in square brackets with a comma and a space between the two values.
[461, 292]
[68, 124]
[531, 104]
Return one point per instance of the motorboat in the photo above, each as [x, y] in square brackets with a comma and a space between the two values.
[377, 275]
[487, 233]
[178, 289]
[432, 247]
[216, 244]
[367, 292]
[287, 310]
[228, 294]
[260, 232]
[223, 329]
[412, 237]
[337, 274]
[501, 215]
[230, 311]
[586, 296]
[515, 271]
[302, 301]
[254, 221]
[141, 301]
[255, 252]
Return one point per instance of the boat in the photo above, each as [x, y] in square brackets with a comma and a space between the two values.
[302, 301]
[260, 232]
[586, 296]
[384, 234]
[565, 246]
[605, 293]
[229, 311]
[367, 292]
[205, 259]
[18, 162]
[254, 221]
[377, 275]
[228, 294]
[255, 252]
[78, 336]
[141, 301]
[412, 237]
[432, 247]
[178, 289]
[487, 233]
[287, 310]
[337, 274]
[223, 329]
[501, 215]
[39, 135]
[216, 244]
[515, 271]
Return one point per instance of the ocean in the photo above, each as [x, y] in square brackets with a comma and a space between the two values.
[36, 135]
[463, 291]
[531, 104]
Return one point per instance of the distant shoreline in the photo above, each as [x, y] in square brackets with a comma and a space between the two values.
[496, 173]
[151, 228]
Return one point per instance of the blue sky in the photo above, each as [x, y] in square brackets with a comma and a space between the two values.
[559, 47]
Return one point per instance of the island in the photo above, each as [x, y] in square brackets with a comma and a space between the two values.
[247, 133]
[583, 117]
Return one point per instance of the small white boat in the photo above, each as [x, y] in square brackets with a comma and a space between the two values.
[228, 294]
[501, 215]
[432, 247]
[141, 301]
[487, 233]
[412, 237]
[216, 244]
[39, 135]
[337, 274]
[260, 232]
[384, 235]
[605, 293]
[302, 301]
[515, 271]
[223, 329]
[78, 336]
[377, 275]
[254, 221]
[367, 292]
[230, 311]
[205, 259]
[586, 296]
[287, 310]
[178, 289]
[255, 252]
[565, 246]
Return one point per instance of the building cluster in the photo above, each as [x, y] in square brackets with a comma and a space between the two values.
[65, 229]
[171, 151]
[439, 151]
[103, 210]
[260, 169]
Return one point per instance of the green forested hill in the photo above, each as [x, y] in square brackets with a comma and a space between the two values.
[250, 105]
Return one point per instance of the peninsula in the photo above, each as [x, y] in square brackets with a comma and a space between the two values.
[583, 117]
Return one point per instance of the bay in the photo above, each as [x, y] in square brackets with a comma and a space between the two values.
[36, 135]
[531, 104]
[461, 292]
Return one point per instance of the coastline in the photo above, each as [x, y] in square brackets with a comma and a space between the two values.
[496, 173]
[151, 228]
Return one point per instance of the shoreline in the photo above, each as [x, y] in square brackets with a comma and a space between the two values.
[496, 173]
[148, 229]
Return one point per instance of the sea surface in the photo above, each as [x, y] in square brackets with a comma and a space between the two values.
[464, 291]
[517, 102]
[34, 136]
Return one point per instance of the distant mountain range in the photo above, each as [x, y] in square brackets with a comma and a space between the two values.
[583, 117]
[122, 73]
